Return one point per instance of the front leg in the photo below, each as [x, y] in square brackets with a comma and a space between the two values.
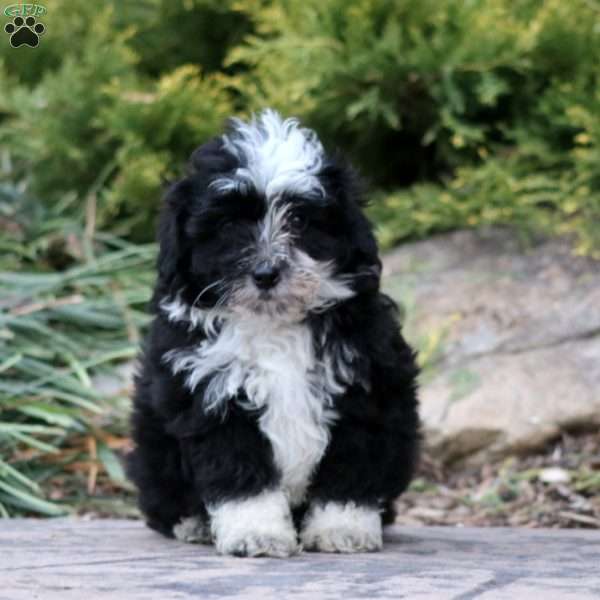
[331, 526]
[370, 459]
[346, 493]
[259, 525]
[234, 474]
[365, 467]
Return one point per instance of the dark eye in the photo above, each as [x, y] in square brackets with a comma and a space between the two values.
[298, 222]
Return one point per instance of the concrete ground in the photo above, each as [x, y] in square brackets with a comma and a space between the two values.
[73, 559]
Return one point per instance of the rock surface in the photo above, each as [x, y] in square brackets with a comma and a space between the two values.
[509, 336]
[64, 559]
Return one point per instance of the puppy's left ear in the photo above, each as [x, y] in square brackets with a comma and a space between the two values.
[366, 265]
[345, 185]
[368, 277]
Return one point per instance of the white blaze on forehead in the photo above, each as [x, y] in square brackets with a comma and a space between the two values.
[273, 235]
[275, 155]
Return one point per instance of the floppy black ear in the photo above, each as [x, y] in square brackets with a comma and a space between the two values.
[345, 185]
[206, 162]
[366, 262]
[171, 239]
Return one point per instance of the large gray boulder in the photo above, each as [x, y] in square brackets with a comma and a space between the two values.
[509, 335]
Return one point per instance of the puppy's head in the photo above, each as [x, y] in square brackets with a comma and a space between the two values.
[266, 223]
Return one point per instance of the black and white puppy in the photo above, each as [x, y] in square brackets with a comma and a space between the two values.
[276, 403]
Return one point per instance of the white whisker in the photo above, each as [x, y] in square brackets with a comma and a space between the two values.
[208, 287]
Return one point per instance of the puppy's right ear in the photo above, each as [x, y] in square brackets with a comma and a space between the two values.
[171, 237]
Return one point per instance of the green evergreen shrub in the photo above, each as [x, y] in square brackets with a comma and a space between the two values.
[487, 107]
[94, 122]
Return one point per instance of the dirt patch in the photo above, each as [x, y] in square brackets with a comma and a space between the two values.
[557, 487]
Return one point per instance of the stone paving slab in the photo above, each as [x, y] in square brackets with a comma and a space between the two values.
[75, 559]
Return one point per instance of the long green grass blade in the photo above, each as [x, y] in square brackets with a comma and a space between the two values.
[34, 442]
[34, 503]
[53, 415]
[6, 469]
[10, 362]
[111, 463]
[25, 428]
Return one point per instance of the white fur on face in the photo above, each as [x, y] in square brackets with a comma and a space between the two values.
[178, 311]
[257, 526]
[306, 286]
[277, 156]
[274, 237]
[338, 527]
[275, 364]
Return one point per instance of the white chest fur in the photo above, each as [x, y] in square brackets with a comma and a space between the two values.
[276, 366]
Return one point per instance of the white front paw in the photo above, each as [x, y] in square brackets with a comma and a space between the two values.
[336, 527]
[257, 526]
[278, 545]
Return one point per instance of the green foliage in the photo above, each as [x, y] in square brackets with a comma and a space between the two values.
[59, 328]
[93, 121]
[179, 109]
[490, 107]
[487, 108]
[171, 33]
[53, 130]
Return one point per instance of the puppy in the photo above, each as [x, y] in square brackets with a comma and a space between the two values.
[276, 403]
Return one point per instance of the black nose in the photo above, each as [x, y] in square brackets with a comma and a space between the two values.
[266, 275]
